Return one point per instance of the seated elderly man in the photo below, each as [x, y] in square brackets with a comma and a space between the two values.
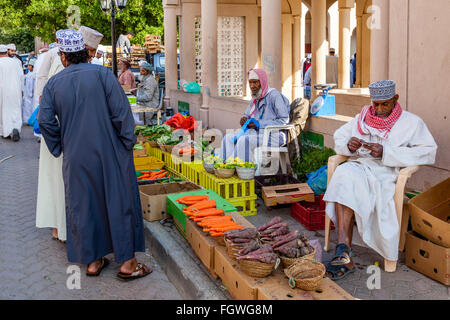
[147, 92]
[268, 107]
[383, 138]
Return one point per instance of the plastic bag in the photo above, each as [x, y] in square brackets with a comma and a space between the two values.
[36, 127]
[191, 87]
[318, 180]
[316, 244]
[32, 118]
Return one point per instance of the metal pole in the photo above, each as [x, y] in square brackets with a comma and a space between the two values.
[113, 36]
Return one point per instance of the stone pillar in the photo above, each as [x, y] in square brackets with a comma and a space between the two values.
[286, 61]
[379, 53]
[297, 57]
[358, 51]
[187, 49]
[209, 55]
[170, 42]
[345, 39]
[318, 43]
[271, 41]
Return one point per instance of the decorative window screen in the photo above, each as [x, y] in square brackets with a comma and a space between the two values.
[198, 51]
[230, 55]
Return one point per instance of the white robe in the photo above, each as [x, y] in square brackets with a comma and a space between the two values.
[28, 96]
[51, 204]
[367, 185]
[11, 84]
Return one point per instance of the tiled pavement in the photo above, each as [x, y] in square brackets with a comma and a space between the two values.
[32, 265]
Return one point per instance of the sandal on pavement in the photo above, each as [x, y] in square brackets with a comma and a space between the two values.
[105, 263]
[336, 270]
[139, 273]
[342, 255]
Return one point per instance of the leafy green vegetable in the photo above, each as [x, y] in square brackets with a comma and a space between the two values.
[138, 147]
[313, 158]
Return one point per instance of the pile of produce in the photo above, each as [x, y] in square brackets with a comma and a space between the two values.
[293, 245]
[178, 121]
[186, 148]
[312, 159]
[213, 160]
[240, 242]
[153, 175]
[152, 132]
[264, 254]
[168, 140]
[273, 230]
[204, 211]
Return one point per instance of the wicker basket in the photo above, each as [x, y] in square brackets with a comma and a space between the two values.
[246, 173]
[224, 173]
[209, 167]
[287, 262]
[169, 148]
[257, 269]
[305, 274]
[232, 249]
[153, 144]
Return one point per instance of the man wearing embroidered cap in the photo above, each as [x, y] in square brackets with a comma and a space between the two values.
[268, 107]
[92, 39]
[95, 130]
[11, 85]
[380, 140]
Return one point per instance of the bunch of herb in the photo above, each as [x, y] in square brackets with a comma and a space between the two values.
[313, 158]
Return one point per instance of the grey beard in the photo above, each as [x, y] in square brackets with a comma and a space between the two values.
[256, 96]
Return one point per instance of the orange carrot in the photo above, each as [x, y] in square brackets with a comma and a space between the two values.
[227, 228]
[206, 204]
[208, 212]
[216, 234]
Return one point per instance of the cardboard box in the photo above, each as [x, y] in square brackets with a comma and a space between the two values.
[236, 282]
[139, 153]
[154, 198]
[290, 193]
[430, 214]
[202, 244]
[428, 258]
[276, 287]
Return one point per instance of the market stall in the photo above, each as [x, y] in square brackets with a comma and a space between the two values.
[208, 199]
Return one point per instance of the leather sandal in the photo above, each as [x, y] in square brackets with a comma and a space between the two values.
[105, 263]
[139, 272]
[342, 255]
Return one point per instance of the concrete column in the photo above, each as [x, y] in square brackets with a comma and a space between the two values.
[318, 43]
[209, 55]
[345, 39]
[170, 42]
[271, 41]
[286, 61]
[358, 51]
[379, 53]
[187, 50]
[297, 57]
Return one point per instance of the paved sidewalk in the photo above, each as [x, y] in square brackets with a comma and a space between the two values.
[32, 265]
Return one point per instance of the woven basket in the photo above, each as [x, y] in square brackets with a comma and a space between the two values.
[209, 167]
[257, 269]
[232, 249]
[224, 173]
[287, 262]
[169, 148]
[153, 144]
[246, 173]
[305, 274]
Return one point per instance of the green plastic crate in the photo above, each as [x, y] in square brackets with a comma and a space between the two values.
[175, 209]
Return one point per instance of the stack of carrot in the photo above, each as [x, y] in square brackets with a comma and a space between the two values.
[205, 213]
[151, 175]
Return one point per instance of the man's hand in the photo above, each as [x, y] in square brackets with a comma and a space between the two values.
[377, 149]
[243, 120]
[252, 125]
[354, 144]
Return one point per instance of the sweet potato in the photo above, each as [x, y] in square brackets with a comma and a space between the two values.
[270, 223]
[244, 233]
[291, 244]
[287, 238]
[249, 247]
[268, 257]
[279, 232]
[288, 252]
[278, 225]
[242, 240]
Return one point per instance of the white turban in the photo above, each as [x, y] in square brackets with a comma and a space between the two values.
[3, 48]
[253, 75]
[91, 37]
[11, 46]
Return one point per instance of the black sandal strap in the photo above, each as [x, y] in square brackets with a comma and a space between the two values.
[342, 252]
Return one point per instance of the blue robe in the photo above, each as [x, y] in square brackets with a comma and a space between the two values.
[95, 132]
